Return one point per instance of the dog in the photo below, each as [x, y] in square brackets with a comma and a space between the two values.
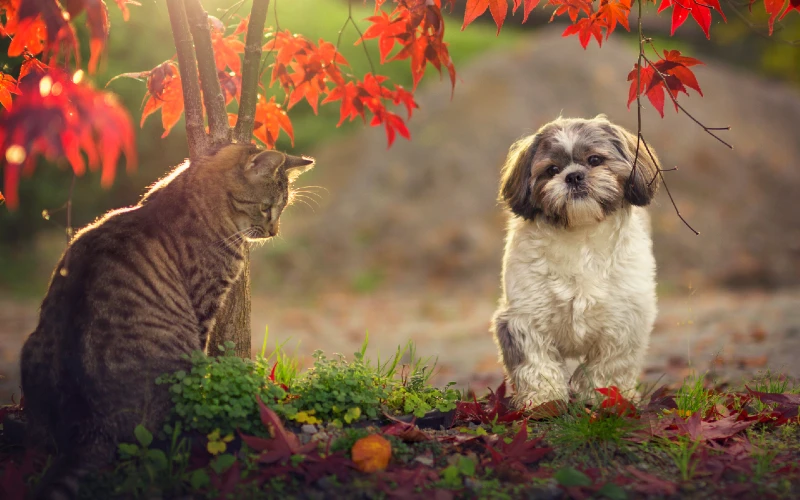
[578, 270]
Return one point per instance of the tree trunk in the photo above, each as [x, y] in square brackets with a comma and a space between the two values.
[233, 320]
[196, 55]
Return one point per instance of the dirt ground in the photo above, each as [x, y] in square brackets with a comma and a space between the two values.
[729, 335]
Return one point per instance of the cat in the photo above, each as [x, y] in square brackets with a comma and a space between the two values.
[136, 291]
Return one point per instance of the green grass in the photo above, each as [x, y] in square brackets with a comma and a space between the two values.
[693, 397]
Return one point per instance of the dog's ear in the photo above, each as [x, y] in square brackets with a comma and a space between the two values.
[642, 183]
[515, 177]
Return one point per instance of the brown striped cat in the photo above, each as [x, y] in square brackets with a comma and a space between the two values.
[136, 291]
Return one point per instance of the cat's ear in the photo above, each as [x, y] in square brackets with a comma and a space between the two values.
[264, 164]
[296, 165]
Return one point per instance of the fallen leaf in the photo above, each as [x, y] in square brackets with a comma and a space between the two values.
[371, 453]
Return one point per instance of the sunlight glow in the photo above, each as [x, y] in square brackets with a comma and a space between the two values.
[77, 76]
[15, 154]
[45, 86]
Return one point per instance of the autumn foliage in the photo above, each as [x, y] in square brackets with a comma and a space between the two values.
[89, 128]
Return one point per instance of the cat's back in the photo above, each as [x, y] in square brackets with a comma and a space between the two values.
[115, 284]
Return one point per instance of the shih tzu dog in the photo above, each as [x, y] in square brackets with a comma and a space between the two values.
[578, 269]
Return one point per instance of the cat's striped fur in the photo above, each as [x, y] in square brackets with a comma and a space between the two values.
[133, 293]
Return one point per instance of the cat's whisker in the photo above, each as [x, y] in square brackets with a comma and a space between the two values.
[306, 198]
[308, 192]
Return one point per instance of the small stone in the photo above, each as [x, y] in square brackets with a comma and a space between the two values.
[309, 429]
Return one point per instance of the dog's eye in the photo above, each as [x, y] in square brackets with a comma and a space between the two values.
[553, 170]
[595, 160]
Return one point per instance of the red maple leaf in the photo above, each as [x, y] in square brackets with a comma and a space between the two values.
[571, 7]
[271, 118]
[227, 50]
[793, 5]
[475, 8]
[699, 9]
[528, 8]
[671, 72]
[519, 449]
[585, 28]
[56, 117]
[31, 65]
[611, 13]
[615, 401]
[164, 92]
[282, 445]
[496, 408]
[387, 30]
[8, 86]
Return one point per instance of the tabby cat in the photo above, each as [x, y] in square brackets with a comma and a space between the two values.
[136, 291]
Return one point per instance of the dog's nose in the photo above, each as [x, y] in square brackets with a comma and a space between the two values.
[575, 178]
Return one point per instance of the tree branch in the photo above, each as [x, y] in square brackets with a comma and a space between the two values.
[251, 71]
[219, 130]
[195, 129]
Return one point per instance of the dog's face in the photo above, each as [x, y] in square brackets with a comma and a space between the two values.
[576, 172]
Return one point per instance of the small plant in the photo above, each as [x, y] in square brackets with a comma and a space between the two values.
[414, 395]
[682, 451]
[453, 475]
[770, 384]
[145, 471]
[219, 394]
[285, 368]
[580, 427]
[693, 397]
[340, 391]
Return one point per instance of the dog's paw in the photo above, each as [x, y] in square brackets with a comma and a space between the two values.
[541, 400]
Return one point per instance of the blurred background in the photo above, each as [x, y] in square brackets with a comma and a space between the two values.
[406, 243]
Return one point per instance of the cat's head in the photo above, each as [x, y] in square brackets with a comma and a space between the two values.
[257, 185]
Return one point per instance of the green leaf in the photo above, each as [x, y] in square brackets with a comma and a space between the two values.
[143, 435]
[222, 463]
[451, 477]
[199, 479]
[612, 491]
[128, 449]
[466, 466]
[568, 476]
[158, 458]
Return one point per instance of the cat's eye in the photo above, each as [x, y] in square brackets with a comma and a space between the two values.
[595, 160]
[265, 208]
[553, 170]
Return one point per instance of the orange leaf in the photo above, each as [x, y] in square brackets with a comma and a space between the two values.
[31, 65]
[226, 52]
[371, 453]
[614, 12]
[526, 11]
[271, 118]
[585, 29]
[8, 86]
[475, 8]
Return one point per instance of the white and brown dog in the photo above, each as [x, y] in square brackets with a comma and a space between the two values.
[578, 270]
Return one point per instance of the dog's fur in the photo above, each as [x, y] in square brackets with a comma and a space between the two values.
[578, 269]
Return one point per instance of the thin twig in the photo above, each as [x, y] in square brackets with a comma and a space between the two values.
[69, 230]
[251, 71]
[708, 130]
[195, 130]
[214, 99]
[360, 35]
[638, 97]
